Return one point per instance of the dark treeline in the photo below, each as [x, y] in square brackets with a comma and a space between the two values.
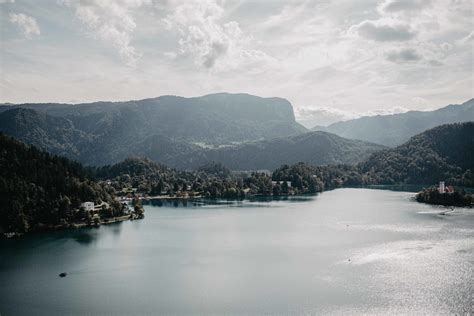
[143, 176]
[456, 198]
[445, 153]
[39, 190]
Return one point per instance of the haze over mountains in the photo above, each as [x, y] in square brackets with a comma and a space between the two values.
[393, 130]
[242, 131]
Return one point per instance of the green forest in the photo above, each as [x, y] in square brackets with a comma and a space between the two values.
[443, 153]
[39, 190]
[456, 198]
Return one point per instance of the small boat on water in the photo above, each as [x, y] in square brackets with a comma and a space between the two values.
[62, 274]
[449, 212]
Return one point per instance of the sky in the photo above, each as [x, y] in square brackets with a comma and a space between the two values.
[332, 60]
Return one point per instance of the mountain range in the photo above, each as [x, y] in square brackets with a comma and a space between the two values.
[444, 153]
[395, 129]
[241, 131]
[39, 190]
[107, 132]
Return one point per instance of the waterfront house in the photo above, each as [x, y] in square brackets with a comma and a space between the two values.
[88, 206]
[99, 207]
[288, 183]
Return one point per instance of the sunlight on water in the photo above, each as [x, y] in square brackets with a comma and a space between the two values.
[347, 251]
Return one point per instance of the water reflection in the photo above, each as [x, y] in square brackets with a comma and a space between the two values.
[261, 256]
[84, 238]
[197, 202]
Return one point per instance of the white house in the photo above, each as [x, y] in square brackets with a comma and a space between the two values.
[288, 183]
[88, 206]
[98, 207]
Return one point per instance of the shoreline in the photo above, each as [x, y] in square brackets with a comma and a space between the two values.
[130, 217]
[105, 221]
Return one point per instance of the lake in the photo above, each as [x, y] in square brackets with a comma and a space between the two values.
[343, 251]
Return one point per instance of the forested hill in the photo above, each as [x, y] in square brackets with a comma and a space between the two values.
[57, 135]
[394, 130]
[317, 148]
[117, 141]
[108, 132]
[40, 190]
[444, 153]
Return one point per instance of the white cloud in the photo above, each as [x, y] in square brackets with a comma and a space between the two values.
[27, 24]
[210, 40]
[404, 55]
[469, 38]
[314, 53]
[321, 116]
[446, 46]
[397, 6]
[324, 116]
[384, 31]
[111, 21]
[384, 111]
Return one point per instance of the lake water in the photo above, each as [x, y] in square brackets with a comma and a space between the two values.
[344, 251]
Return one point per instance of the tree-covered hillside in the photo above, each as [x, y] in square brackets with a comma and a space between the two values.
[209, 181]
[39, 190]
[242, 132]
[107, 132]
[444, 153]
[317, 148]
[394, 130]
[54, 134]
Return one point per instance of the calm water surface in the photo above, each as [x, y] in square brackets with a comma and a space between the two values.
[344, 251]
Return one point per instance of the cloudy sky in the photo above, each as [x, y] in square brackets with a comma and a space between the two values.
[331, 59]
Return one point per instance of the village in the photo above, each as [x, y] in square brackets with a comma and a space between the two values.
[102, 213]
[128, 194]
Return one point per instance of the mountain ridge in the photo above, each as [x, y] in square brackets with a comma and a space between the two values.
[112, 131]
[395, 129]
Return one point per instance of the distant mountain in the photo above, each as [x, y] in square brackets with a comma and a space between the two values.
[54, 134]
[393, 130]
[318, 148]
[106, 132]
[215, 118]
[443, 153]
